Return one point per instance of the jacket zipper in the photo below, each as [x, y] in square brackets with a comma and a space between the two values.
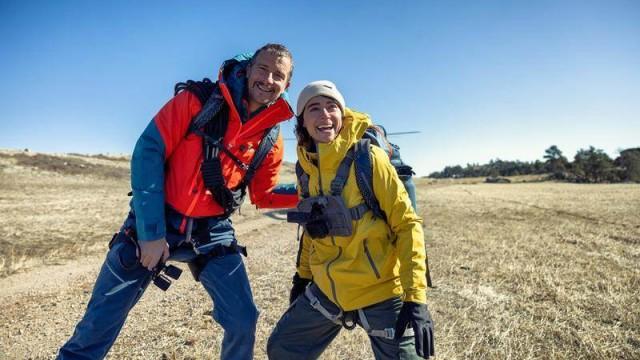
[319, 173]
[333, 241]
[370, 258]
[333, 284]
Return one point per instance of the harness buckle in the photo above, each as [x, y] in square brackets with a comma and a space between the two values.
[314, 302]
[349, 320]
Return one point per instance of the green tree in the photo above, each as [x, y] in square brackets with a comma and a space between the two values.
[629, 162]
[555, 162]
[593, 165]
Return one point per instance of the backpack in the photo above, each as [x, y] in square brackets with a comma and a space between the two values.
[378, 136]
[212, 133]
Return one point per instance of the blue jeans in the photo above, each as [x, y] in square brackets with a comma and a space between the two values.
[122, 281]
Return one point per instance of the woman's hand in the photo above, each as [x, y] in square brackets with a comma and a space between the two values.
[418, 316]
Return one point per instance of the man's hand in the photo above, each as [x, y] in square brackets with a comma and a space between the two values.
[152, 251]
[420, 319]
[299, 285]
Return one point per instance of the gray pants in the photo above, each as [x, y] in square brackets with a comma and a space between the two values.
[303, 332]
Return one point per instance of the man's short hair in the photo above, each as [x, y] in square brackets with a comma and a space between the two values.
[279, 50]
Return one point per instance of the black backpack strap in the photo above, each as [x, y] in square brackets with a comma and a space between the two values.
[210, 110]
[266, 144]
[364, 177]
[303, 179]
[208, 93]
[358, 211]
[338, 182]
[211, 168]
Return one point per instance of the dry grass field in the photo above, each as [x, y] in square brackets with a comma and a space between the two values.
[521, 271]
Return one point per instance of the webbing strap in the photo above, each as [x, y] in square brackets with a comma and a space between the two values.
[364, 177]
[303, 177]
[338, 182]
[315, 303]
[266, 144]
[213, 147]
[387, 333]
[357, 212]
[209, 110]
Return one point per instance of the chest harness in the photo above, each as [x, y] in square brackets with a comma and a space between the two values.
[322, 216]
[328, 215]
[211, 124]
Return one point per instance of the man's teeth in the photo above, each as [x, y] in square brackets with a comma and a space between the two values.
[262, 88]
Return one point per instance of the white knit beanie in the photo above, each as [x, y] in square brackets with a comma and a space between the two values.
[318, 88]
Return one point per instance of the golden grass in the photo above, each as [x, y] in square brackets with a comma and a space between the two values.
[50, 216]
[535, 270]
[522, 271]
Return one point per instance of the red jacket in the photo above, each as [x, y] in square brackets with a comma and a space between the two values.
[183, 185]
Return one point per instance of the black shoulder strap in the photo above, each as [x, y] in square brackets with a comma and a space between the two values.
[213, 107]
[266, 144]
[364, 177]
[211, 100]
[303, 179]
[338, 182]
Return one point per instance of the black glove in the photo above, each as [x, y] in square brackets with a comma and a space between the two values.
[420, 319]
[299, 285]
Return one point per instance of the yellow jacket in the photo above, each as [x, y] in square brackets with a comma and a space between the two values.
[379, 260]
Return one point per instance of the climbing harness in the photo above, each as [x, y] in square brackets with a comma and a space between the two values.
[350, 319]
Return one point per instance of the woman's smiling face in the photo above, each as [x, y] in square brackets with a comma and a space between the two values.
[322, 119]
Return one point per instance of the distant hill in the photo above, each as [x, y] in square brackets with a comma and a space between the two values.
[97, 165]
[102, 166]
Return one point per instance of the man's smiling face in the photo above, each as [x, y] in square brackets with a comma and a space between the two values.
[267, 79]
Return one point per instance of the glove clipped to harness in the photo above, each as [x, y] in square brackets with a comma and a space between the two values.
[298, 288]
[418, 317]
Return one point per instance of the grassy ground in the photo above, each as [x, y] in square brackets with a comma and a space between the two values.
[522, 271]
[56, 208]
[535, 270]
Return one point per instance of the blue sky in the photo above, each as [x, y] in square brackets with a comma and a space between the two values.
[480, 79]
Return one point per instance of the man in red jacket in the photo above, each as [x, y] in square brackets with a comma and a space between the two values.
[187, 179]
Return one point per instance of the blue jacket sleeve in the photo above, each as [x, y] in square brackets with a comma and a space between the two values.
[147, 182]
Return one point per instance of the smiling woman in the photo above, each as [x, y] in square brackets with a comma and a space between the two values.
[359, 262]
[322, 119]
